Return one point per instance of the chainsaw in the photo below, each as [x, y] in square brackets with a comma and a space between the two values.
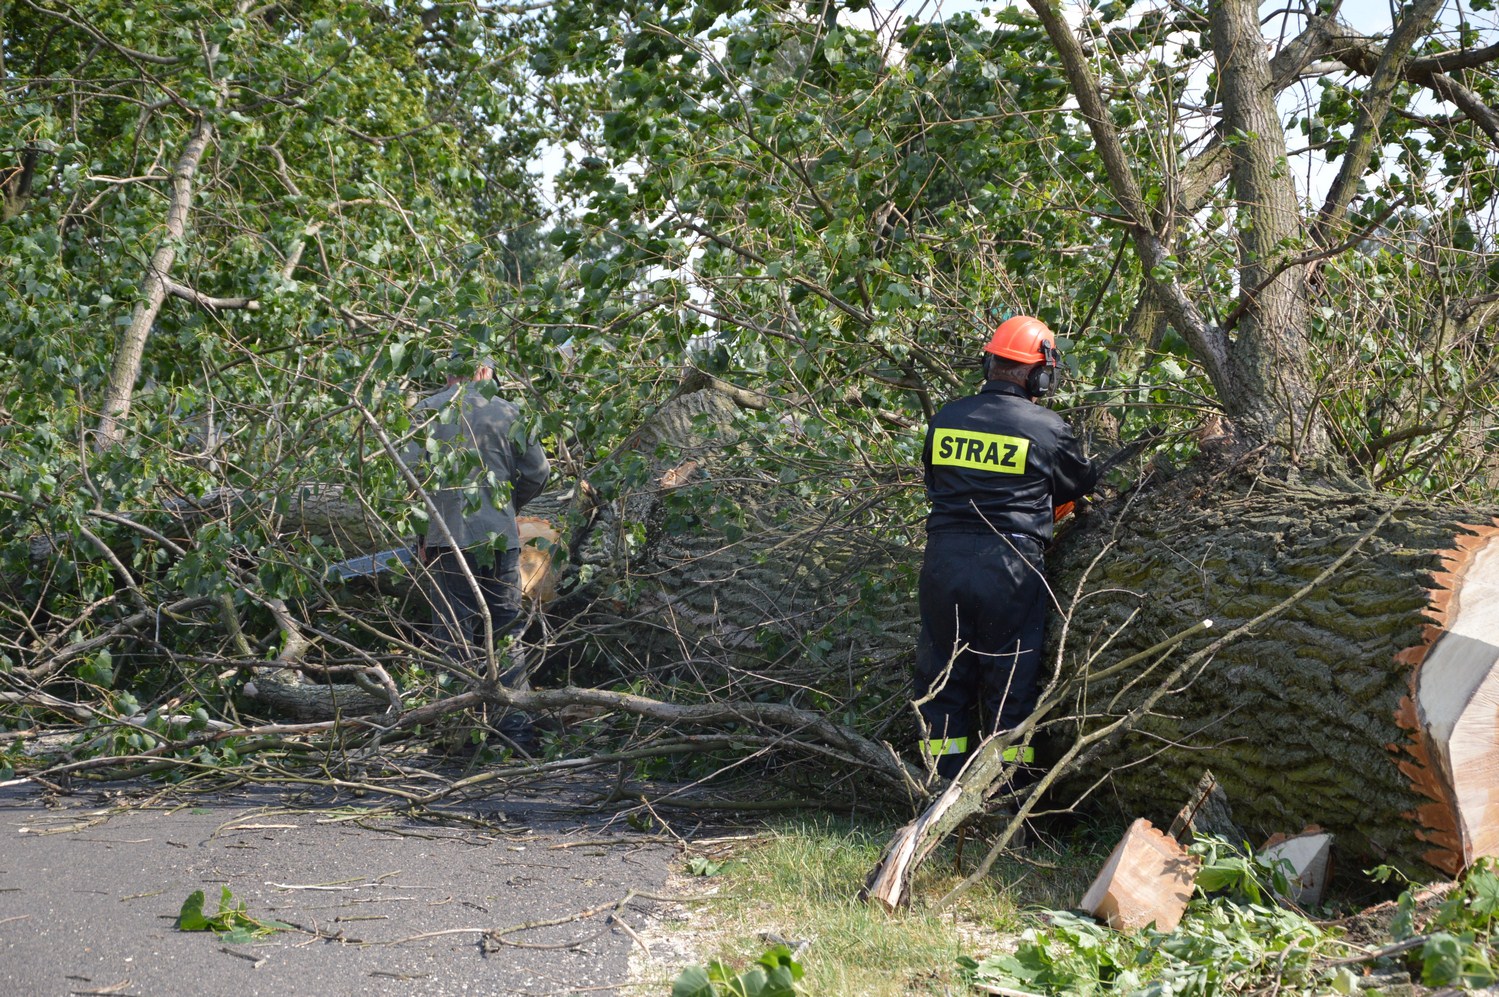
[1128, 452]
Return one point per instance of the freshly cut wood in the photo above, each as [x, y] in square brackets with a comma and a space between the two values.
[1147, 880]
[889, 884]
[1453, 709]
[1309, 856]
[539, 572]
[1364, 698]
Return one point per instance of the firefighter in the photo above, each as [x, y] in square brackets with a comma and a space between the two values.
[997, 464]
[506, 470]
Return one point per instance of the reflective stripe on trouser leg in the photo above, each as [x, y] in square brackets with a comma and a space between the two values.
[938, 746]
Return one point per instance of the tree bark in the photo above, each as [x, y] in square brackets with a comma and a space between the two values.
[1268, 391]
[1322, 716]
[126, 368]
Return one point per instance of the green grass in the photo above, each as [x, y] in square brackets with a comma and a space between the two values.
[801, 881]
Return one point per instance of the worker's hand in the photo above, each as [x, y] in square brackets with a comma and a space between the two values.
[1062, 511]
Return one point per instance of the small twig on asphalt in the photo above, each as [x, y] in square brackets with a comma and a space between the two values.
[258, 960]
[354, 883]
[614, 918]
[498, 934]
[492, 942]
[113, 990]
[654, 839]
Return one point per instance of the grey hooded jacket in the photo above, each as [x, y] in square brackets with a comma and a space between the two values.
[512, 469]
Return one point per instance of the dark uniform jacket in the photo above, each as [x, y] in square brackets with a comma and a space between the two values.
[996, 462]
[512, 468]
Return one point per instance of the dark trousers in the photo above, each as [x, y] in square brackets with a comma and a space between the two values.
[983, 617]
[457, 619]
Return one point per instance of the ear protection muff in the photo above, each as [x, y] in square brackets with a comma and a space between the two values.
[1042, 380]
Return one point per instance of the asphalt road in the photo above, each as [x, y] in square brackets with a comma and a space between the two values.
[90, 892]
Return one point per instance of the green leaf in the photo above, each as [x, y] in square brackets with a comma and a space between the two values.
[240, 935]
[1344, 981]
[699, 865]
[693, 982]
[190, 917]
[1483, 885]
[98, 669]
[1441, 960]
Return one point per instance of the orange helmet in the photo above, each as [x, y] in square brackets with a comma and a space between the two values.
[1023, 339]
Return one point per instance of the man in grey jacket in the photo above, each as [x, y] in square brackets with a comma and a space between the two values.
[477, 446]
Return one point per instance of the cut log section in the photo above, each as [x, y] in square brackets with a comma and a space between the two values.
[1308, 858]
[1367, 702]
[1147, 880]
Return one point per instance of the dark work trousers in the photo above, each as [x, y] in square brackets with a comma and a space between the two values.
[458, 622]
[983, 612]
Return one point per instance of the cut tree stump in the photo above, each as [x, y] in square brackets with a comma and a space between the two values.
[1147, 880]
[1207, 812]
[1453, 706]
[539, 571]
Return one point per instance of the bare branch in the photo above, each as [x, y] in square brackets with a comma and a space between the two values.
[127, 361]
[1358, 52]
[209, 301]
[1210, 344]
[1451, 62]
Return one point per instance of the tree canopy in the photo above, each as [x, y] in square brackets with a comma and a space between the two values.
[241, 237]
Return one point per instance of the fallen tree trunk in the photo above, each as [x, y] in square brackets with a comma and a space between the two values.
[1302, 718]
[1368, 707]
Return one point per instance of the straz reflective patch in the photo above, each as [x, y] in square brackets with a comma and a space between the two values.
[980, 451]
